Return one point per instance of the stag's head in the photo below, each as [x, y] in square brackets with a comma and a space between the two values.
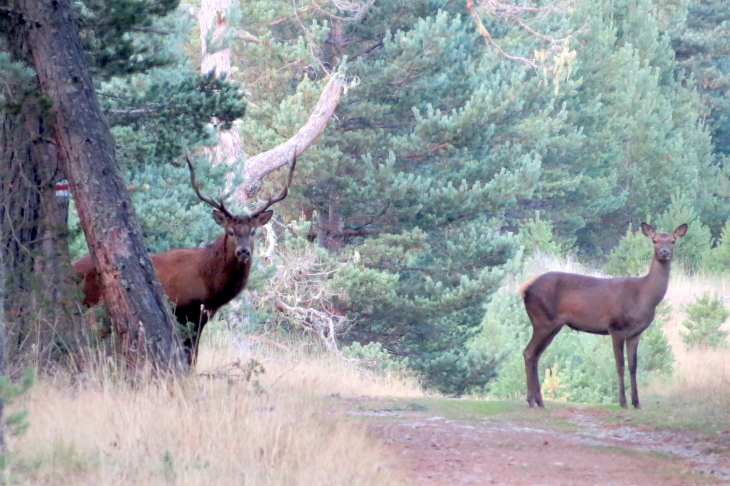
[664, 242]
[240, 229]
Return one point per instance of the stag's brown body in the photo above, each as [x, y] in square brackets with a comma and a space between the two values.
[199, 281]
[620, 307]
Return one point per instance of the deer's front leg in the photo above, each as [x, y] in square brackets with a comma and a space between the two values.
[618, 352]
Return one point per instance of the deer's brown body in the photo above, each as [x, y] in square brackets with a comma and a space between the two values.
[193, 281]
[199, 281]
[620, 307]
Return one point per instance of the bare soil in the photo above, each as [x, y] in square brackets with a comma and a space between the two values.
[451, 442]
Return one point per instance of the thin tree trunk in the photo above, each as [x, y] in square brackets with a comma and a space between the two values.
[134, 297]
[3, 447]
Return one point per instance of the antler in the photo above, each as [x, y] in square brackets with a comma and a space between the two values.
[284, 190]
[219, 206]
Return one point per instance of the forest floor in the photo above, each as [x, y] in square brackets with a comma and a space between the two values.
[448, 442]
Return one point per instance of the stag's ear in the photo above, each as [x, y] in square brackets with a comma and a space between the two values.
[220, 218]
[648, 230]
[261, 219]
[681, 230]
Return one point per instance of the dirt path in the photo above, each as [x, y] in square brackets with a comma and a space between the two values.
[435, 444]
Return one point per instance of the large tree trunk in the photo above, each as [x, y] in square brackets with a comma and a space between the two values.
[134, 297]
[45, 321]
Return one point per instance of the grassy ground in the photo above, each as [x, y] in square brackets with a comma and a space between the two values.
[259, 414]
[227, 424]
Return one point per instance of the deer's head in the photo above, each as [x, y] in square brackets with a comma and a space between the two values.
[240, 229]
[664, 242]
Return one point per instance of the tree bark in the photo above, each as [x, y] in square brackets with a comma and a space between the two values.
[3, 447]
[134, 297]
[41, 307]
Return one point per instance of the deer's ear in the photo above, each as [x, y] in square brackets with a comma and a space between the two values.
[681, 230]
[648, 230]
[262, 219]
[219, 218]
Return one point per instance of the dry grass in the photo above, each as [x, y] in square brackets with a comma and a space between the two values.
[275, 428]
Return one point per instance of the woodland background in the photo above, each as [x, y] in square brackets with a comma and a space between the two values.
[449, 163]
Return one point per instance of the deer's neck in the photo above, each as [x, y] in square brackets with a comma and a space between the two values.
[226, 275]
[655, 283]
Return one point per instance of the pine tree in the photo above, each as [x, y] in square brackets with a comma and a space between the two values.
[428, 155]
[702, 47]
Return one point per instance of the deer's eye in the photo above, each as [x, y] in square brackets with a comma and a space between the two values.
[253, 231]
[229, 231]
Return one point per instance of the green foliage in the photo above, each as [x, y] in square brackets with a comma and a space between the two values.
[582, 365]
[148, 113]
[632, 256]
[537, 235]
[720, 255]
[16, 423]
[122, 37]
[699, 37]
[704, 318]
[18, 76]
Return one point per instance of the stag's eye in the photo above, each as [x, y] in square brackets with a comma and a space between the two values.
[229, 231]
[253, 232]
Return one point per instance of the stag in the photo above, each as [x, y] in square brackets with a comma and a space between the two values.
[199, 281]
[620, 307]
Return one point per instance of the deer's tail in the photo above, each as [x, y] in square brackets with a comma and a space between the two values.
[526, 285]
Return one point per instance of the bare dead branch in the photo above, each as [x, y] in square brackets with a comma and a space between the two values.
[257, 167]
[246, 36]
[488, 38]
[358, 8]
[556, 59]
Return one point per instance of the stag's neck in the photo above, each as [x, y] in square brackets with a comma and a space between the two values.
[227, 276]
[655, 283]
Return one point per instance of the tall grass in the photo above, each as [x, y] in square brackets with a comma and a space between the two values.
[225, 425]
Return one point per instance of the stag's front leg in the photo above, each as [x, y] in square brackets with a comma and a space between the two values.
[631, 347]
[618, 351]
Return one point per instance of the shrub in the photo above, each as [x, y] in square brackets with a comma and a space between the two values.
[720, 255]
[537, 235]
[704, 318]
[632, 255]
[374, 357]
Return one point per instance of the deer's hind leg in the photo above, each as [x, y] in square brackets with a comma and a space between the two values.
[543, 333]
[631, 350]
